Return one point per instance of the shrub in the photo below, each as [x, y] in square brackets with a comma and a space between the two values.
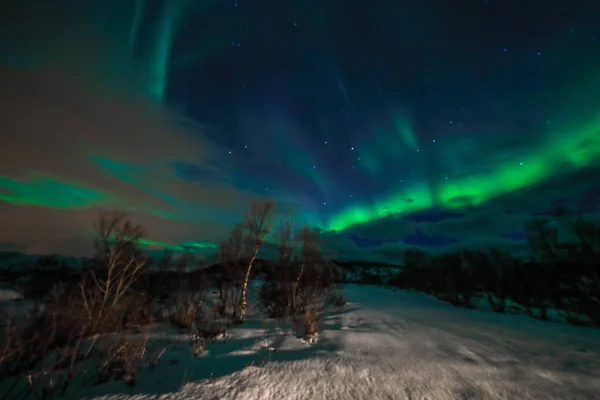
[337, 298]
[123, 357]
[187, 308]
[311, 320]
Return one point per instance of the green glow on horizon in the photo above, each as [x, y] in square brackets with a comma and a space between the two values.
[560, 154]
[185, 246]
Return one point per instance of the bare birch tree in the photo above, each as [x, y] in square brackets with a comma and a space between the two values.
[309, 255]
[231, 253]
[120, 261]
[258, 226]
[286, 241]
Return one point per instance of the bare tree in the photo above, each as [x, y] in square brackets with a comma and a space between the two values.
[230, 254]
[165, 261]
[286, 241]
[309, 254]
[542, 239]
[120, 260]
[258, 226]
[234, 248]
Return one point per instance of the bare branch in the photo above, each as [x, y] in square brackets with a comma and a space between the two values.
[286, 240]
[258, 223]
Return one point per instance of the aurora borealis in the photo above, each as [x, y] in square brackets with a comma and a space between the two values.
[385, 124]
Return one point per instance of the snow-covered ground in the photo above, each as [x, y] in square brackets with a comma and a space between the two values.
[384, 344]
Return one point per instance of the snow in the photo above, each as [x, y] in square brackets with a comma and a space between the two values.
[383, 344]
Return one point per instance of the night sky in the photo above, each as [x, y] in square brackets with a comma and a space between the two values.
[386, 124]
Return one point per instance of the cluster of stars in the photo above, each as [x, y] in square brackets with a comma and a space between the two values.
[435, 90]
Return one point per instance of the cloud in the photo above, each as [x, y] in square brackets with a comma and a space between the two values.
[421, 239]
[69, 149]
[433, 215]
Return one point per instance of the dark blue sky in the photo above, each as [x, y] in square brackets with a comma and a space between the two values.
[386, 124]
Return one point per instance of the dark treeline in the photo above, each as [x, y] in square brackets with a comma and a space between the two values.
[562, 273]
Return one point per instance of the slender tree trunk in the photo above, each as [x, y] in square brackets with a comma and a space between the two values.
[244, 299]
[295, 291]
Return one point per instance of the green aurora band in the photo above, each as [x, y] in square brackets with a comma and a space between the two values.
[157, 80]
[48, 191]
[561, 154]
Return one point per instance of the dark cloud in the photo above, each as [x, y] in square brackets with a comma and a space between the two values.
[432, 215]
[516, 236]
[70, 149]
[421, 239]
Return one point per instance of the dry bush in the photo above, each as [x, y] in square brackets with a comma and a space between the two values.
[232, 254]
[60, 369]
[337, 298]
[187, 309]
[300, 284]
[311, 322]
[42, 353]
[187, 303]
[122, 356]
[278, 292]
[26, 341]
[309, 255]
[119, 356]
[105, 290]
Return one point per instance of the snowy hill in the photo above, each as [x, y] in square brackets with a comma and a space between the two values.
[383, 344]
